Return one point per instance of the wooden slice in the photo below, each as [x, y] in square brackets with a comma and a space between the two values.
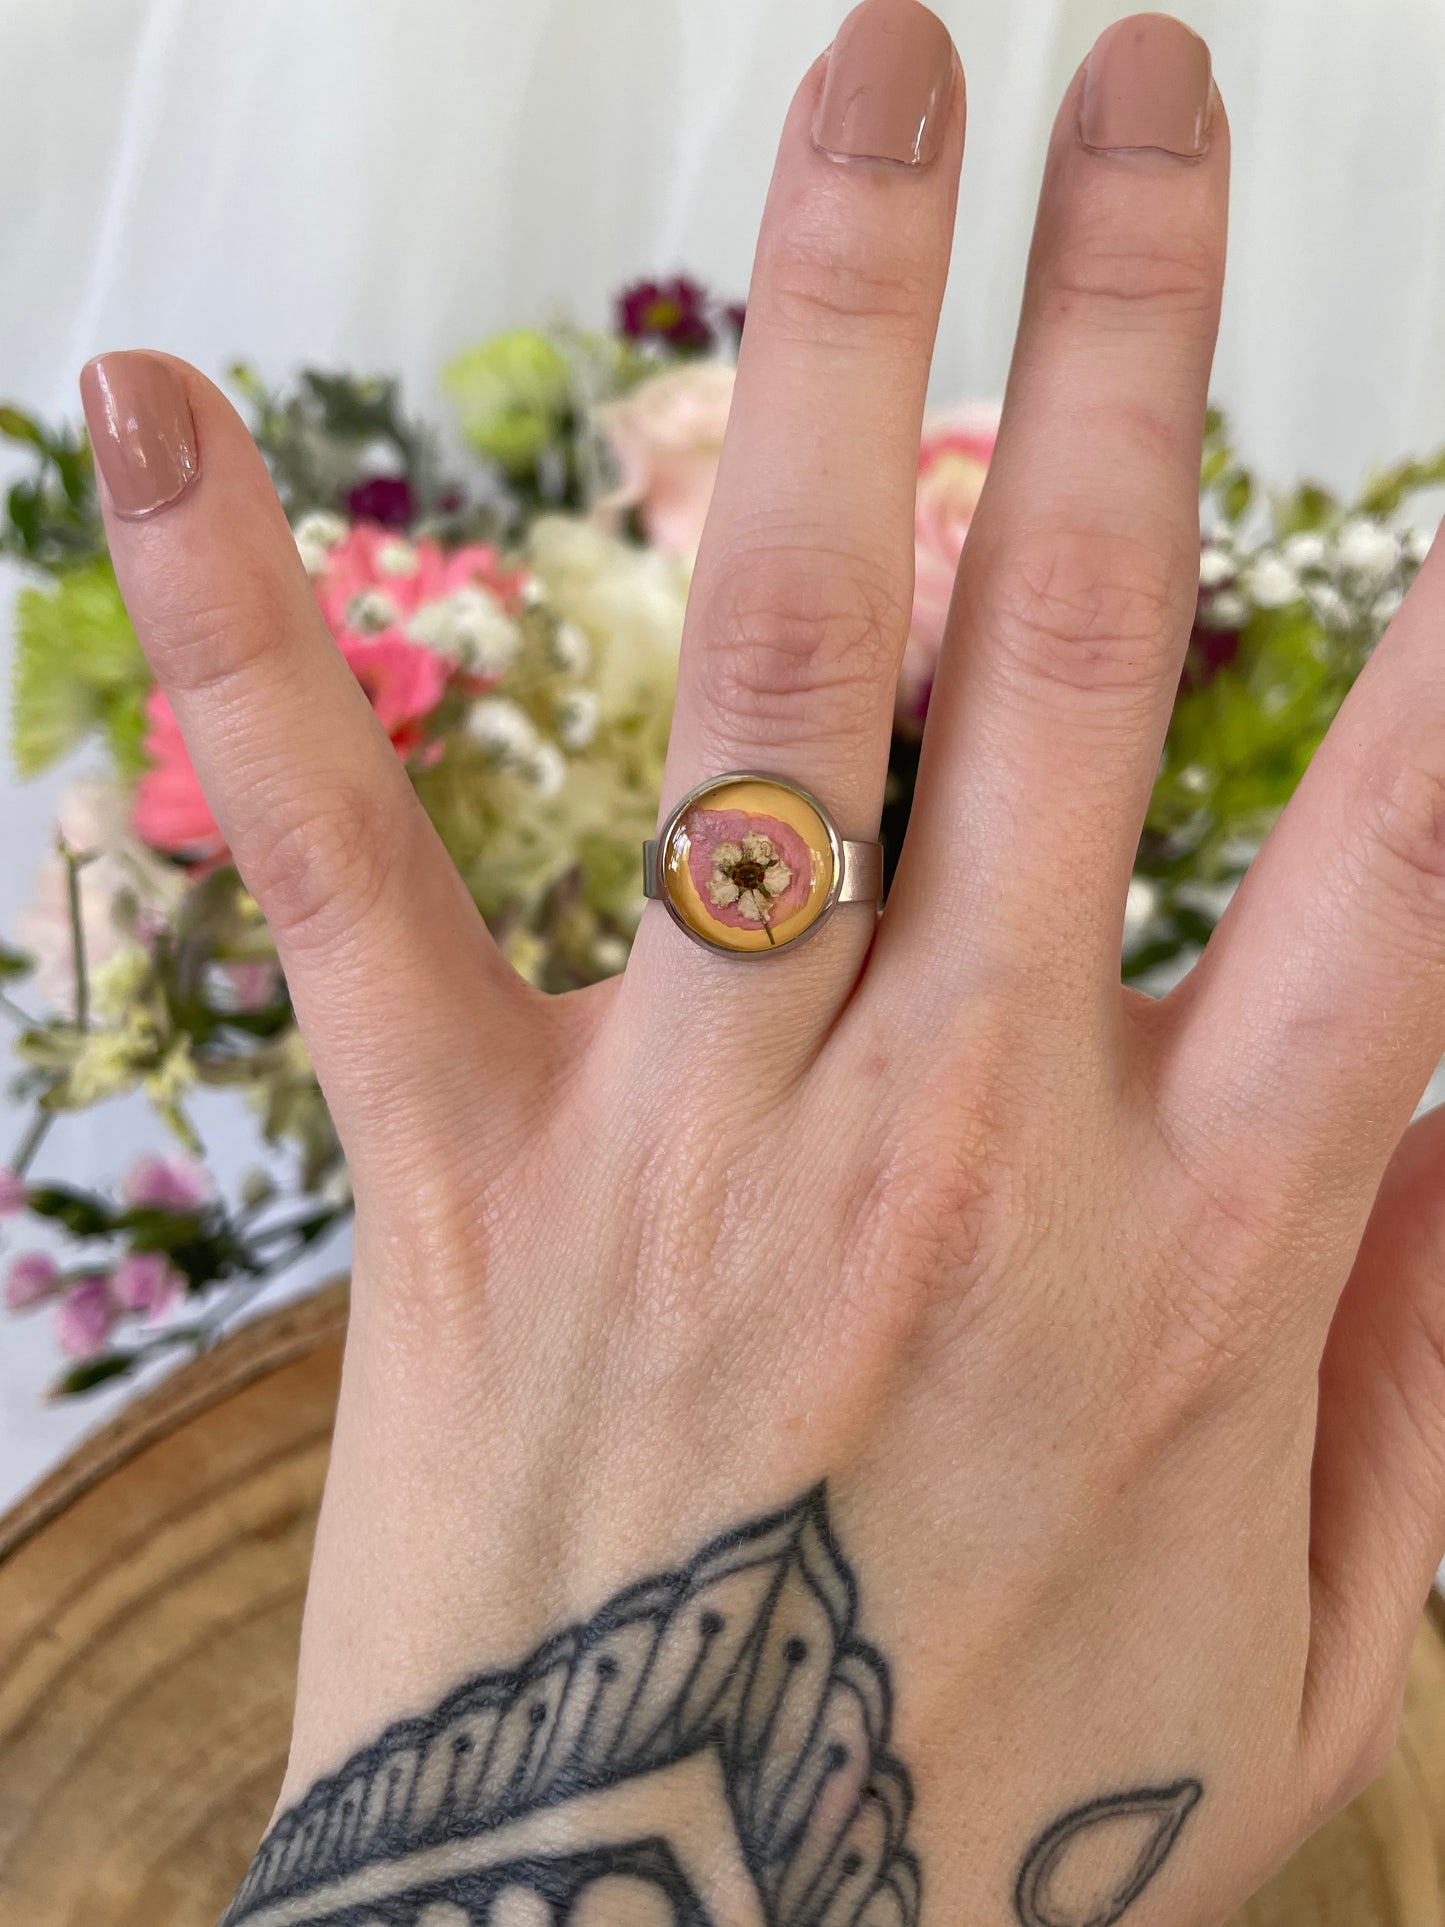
[150, 1604]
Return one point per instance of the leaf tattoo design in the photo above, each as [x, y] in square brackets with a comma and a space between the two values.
[711, 1750]
[1095, 1861]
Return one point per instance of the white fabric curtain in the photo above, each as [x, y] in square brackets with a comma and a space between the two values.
[379, 182]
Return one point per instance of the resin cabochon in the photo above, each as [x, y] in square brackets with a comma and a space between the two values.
[726, 813]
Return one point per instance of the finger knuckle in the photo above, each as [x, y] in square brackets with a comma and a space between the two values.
[827, 279]
[1086, 609]
[1402, 823]
[319, 873]
[799, 645]
[204, 647]
[1167, 279]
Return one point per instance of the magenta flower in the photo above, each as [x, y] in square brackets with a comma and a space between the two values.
[671, 311]
[12, 1194]
[166, 1184]
[146, 1281]
[386, 499]
[32, 1277]
[85, 1318]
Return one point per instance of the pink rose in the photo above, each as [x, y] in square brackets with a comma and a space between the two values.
[170, 810]
[12, 1194]
[33, 1276]
[85, 1318]
[146, 1281]
[166, 1184]
[952, 463]
[667, 437]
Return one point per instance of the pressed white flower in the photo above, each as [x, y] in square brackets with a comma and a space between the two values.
[1273, 584]
[1415, 545]
[577, 716]
[472, 628]
[317, 534]
[545, 770]
[397, 558]
[748, 876]
[371, 612]
[1367, 548]
[571, 650]
[1305, 549]
[498, 724]
[1227, 610]
[1216, 566]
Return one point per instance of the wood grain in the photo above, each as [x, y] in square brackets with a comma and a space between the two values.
[150, 1605]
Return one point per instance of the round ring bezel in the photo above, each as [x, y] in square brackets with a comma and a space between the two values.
[835, 847]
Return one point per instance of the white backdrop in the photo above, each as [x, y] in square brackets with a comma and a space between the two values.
[379, 182]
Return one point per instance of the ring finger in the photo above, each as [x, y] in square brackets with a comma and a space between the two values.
[803, 587]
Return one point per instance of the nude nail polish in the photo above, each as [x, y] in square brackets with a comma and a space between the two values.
[888, 85]
[141, 430]
[1148, 84]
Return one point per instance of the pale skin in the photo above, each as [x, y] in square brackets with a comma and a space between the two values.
[1116, 1327]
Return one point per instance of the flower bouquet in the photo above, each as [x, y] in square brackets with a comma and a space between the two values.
[510, 596]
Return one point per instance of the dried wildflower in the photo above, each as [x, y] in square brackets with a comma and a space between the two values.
[748, 877]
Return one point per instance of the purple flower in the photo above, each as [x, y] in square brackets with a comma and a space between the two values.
[85, 1318]
[12, 1194]
[31, 1277]
[146, 1281]
[386, 499]
[165, 1184]
[671, 311]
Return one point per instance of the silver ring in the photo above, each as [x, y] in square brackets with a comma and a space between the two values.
[750, 864]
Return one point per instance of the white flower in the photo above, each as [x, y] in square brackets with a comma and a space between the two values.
[1416, 545]
[397, 558]
[1139, 907]
[1273, 584]
[472, 628]
[747, 876]
[317, 534]
[571, 650]
[1387, 607]
[1227, 610]
[1367, 548]
[577, 716]
[1195, 780]
[1330, 606]
[497, 724]
[609, 954]
[371, 612]
[1305, 549]
[545, 770]
[1216, 567]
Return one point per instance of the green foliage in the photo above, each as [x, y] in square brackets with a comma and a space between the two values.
[78, 668]
[52, 515]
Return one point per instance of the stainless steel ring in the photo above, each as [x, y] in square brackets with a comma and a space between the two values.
[749, 864]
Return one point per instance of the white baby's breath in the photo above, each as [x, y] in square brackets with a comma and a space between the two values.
[317, 534]
[502, 727]
[1415, 545]
[1216, 566]
[577, 716]
[1305, 549]
[1227, 610]
[398, 558]
[472, 628]
[1367, 548]
[1272, 583]
[545, 770]
[571, 650]
[371, 611]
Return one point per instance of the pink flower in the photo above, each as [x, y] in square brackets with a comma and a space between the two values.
[85, 1318]
[12, 1194]
[667, 438]
[952, 463]
[146, 1281]
[166, 1184]
[31, 1277]
[374, 582]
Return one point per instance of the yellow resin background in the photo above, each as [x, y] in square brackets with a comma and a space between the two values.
[759, 798]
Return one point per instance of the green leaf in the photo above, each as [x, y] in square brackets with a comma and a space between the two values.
[81, 1213]
[13, 963]
[78, 668]
[17, 426]
[95, 1371]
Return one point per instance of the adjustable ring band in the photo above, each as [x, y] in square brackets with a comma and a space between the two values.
[748, 864]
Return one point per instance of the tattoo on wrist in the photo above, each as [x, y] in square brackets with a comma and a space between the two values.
[711, 1749]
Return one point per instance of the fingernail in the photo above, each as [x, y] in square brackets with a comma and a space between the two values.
[889, 81]
[141, 430]
[1148, 83]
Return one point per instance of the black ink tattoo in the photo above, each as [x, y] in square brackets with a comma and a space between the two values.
[1096, 1860]
[710, 1750]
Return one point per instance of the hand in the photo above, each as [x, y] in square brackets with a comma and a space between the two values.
[1096, 1342]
